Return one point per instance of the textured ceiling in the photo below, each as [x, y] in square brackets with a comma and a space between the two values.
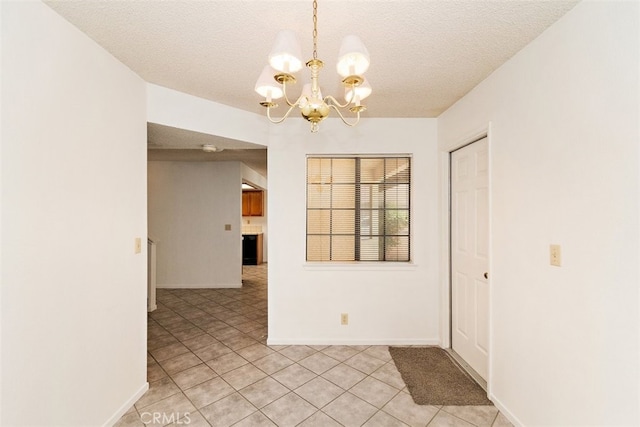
[425, 55]
[170, 144]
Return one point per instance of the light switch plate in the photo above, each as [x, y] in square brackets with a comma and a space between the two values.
[138, 245]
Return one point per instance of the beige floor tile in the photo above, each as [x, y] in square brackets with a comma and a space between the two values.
[189, 333]
[173, 409]
[349, 410]
[257, 419]
[213, 325]
[382, 419]
[273, 363]
[228, 362]
[319, 392]
[379, 351]
[403, 408]
[318, 347]
[444, 419]
[180, 363]
[294, 376]
[389, 374]
[228, 411]
[255, 352]
[208, 392]
[179, 325]
[158, 390]
[318, 363]
[193, 376]
[344, 376]
[297, 352]
[340, 352]
[155, 372]
[502, 421]
[480, 416]
[163, 341]
[129, 420]
[169, 319]
[320, 419]
[225, 333]
[249, 326]
[169, 351]
[264, 392]
[236, 320]
[365, 363]
[243, 376]
[193, 419]
[199, 342]
[289, 410]
[238, 342]
[131, 410]
[212, 351]
[374, 391]
[227, 328]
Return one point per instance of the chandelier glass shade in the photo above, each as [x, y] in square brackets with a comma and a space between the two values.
[285, 60]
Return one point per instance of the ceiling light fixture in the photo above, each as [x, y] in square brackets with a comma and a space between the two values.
[209, 148]
[284, 60]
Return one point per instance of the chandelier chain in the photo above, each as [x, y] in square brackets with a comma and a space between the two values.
[315, 29]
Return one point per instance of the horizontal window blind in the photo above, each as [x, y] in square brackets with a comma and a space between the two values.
[358, 208]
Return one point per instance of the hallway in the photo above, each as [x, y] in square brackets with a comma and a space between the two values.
[208, 365]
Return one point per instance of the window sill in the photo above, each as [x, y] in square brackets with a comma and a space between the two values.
[360, 266]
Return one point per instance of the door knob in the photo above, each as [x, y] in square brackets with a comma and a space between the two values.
[486, 275]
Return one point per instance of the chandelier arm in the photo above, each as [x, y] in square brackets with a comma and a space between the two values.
[283, 118]
[344, 120]
[334, 102]
[286, 98]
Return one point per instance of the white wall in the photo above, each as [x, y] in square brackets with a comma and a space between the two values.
[386, 303]
[73, 200]
[564, 164]
[189, 205]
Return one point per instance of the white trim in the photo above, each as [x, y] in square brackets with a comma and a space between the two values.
[331, 341]
[126, 406]
[359, 266]
[445, 150]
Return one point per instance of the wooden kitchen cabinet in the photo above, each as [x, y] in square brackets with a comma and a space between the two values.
[252, 203]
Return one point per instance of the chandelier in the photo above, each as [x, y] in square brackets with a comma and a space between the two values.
[284, 61]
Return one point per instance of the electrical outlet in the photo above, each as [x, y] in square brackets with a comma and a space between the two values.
[555, 255]
[138, 245]
[227, 227]
[344, 319]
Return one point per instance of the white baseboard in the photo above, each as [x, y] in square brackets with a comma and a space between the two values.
[152, 308]
[342, 341]
[508, 414]
[126, 406]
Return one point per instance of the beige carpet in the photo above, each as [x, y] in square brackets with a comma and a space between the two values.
[433, 378]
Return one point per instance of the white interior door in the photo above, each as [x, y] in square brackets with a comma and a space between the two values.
[470, 255]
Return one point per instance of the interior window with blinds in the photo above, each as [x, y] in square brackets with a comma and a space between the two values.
[358, 208]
